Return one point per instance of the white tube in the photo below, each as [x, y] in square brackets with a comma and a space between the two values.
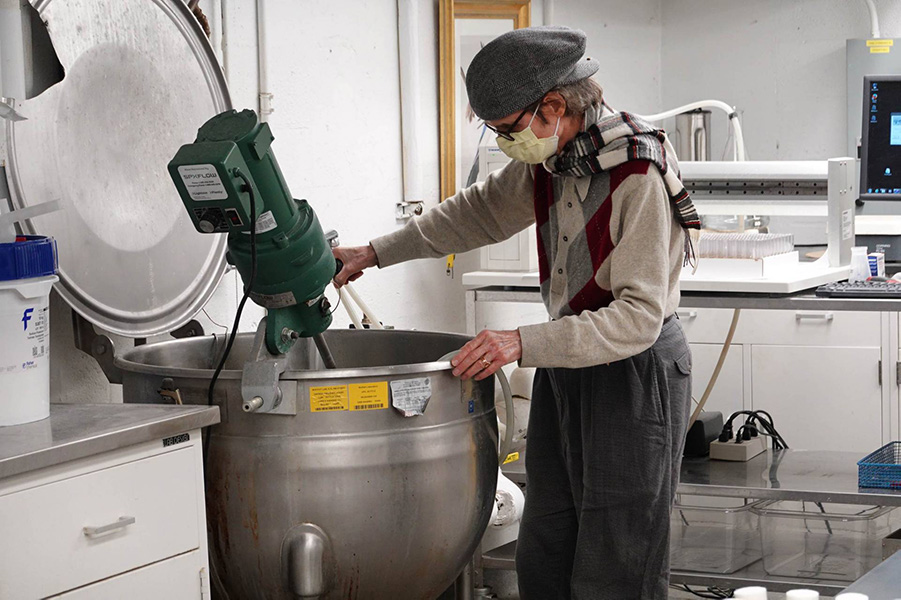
[547, 12]
[874, 19]
[408, 48]
[12, 51]
[263, 64]
[223, 19]
[373, 320]
[729, 110]
[349, 308]
[215, 18]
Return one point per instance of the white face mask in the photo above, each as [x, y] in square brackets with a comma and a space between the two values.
[527, 147]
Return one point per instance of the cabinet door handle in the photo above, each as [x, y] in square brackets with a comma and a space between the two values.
[95, 532]
[687, 315]
[814, 316]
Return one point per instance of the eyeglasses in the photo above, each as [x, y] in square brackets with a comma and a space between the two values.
[507, 134]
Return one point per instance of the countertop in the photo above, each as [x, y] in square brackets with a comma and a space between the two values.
[815, 476]
[883, 582]
[75, 431]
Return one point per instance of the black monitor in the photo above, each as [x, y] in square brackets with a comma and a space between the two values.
[880, 142]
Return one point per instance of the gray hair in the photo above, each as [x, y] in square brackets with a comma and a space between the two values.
[580, 95]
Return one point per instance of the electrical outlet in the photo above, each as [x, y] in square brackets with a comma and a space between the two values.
[742, 452]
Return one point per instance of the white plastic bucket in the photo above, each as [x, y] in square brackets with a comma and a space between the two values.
[25, 350]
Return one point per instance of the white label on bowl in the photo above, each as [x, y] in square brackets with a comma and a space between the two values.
[411, 396]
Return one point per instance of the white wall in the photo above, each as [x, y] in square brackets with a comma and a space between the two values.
[782, 62]
[626, 38]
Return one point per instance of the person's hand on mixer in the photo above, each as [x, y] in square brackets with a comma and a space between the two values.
[486, 353]
[354, 259]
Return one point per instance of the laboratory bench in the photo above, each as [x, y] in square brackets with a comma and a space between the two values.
[110, 497]
[812, 476]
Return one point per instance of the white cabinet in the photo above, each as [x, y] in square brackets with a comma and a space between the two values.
[728, 394]
[816, 372]
[174, 579]
[821, 398]
[94, 526]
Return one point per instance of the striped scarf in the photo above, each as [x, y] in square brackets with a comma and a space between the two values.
[617, 139]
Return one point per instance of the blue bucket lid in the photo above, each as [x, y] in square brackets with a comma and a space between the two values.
[28, 257]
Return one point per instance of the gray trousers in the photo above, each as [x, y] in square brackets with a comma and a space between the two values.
[602, 458]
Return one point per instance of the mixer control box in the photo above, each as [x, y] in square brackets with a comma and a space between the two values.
[206, 177]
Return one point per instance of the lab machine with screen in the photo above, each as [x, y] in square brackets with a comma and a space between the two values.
[880, 158]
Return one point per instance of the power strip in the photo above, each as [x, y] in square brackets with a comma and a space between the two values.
[742, 452]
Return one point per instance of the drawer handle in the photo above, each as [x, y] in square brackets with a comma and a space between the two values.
[814, 316]
[95, 532]
[687, 314]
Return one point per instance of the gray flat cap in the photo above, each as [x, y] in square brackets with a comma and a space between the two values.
[520, 66]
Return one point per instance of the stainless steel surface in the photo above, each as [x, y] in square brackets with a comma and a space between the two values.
[306, 554]
[260, 387]
[692, 138]
[800, 301]
[883, 582]
[403, 501]
[327, 359]
[463, 587]
[140, 79]
[754, 575]
[75, 431]
[503, 558]
[815, 476]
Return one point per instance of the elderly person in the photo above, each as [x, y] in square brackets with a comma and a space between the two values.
[612, 390]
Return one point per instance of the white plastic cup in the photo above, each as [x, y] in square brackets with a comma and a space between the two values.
[25, 350]
[860, 264]
[751, 593]
[802, 595]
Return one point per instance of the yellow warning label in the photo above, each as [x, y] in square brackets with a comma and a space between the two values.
[880, 50]
[368, 396]
[512, 457]
[871, 43]
[328, 398]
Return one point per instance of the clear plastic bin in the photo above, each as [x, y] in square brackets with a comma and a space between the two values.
[838, 542]
[713, 535]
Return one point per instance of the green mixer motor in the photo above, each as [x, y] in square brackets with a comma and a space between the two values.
[294, 264]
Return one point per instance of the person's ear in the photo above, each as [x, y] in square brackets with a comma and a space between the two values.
[553, 106]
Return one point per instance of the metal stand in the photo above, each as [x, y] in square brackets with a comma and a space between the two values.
[463, 587]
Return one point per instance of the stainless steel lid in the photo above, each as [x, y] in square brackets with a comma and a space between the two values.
[140, 79]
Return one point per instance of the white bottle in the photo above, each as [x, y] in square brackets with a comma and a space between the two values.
[751, 593]
[860, 264]
[802, 595]
[852, 596]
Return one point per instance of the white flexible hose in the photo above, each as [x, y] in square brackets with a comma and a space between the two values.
[874, 19]
[349, 309]
[508, 402]
[716, 370]
[739, 144]
[373, 320]
[739, 156]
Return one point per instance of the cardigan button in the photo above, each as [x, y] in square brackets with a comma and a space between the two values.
[560, 271]
[565, 239]
[569, 204]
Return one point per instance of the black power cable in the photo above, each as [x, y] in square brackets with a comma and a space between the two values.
[248, 187]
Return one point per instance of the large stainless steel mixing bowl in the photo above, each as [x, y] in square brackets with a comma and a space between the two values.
[358, 504]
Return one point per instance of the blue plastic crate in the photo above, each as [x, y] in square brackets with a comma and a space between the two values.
[882, 468]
